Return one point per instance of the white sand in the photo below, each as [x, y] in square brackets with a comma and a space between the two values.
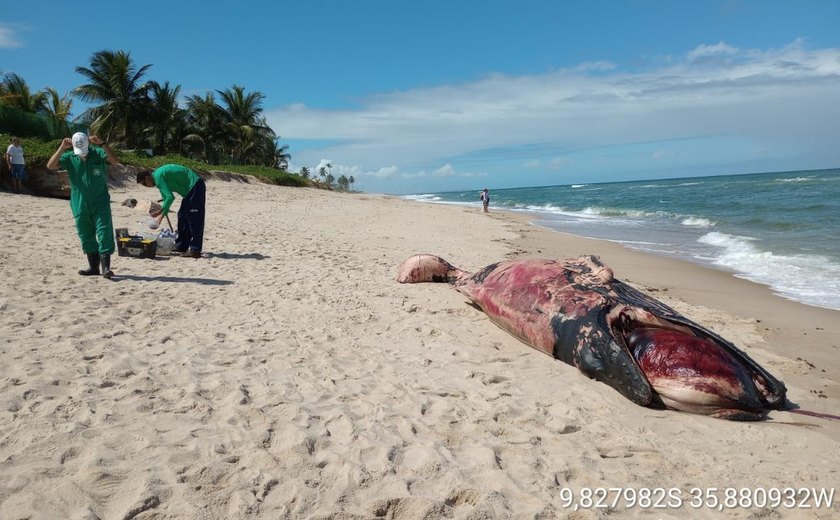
[287, 375]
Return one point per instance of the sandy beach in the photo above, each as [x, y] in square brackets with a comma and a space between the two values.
[288, 375]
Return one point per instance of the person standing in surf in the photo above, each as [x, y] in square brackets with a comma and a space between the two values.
[485, 199]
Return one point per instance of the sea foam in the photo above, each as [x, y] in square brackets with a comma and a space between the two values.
[812, 279]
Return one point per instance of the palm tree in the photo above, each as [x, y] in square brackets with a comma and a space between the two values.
[206, 123]
[304, 172]
[3, 92]
[233, 129]
[246, 126]
[343, 183]
[17, 94]
[244, 143]
[115, 83]
[53, 108]
[57, 106]
[166, 117]
[351, 180]
[242, 108]
[281, 155]
[263, 146]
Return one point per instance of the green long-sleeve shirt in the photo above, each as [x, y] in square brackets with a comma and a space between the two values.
[171, 178]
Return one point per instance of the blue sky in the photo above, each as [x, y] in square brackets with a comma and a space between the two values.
[413, 97]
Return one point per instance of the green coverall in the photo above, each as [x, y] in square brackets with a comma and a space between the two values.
[89, 199]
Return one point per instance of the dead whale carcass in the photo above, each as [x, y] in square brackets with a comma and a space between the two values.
[576, 311]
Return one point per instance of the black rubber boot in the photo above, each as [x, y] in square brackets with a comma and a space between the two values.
[105, 262]
[93, 262]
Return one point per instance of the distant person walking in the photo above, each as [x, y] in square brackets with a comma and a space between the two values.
[90, 201]
[186, 183]
[14, 157]
[485, 199]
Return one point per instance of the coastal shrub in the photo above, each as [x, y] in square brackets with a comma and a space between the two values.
[38, 152]
[27, 124]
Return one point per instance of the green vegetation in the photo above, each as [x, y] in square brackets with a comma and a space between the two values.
[39, 151]
[134, 114]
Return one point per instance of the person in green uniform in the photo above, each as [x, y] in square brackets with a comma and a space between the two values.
[90, 202]
[179, 179]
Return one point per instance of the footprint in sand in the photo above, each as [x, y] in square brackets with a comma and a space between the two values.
[494, 380]
[340, 429]
[464, 497]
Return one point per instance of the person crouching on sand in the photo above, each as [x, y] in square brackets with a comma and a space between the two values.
[186, 183]
[89, 198]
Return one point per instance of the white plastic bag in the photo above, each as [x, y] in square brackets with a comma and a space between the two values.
[165, 245]
[166, 242]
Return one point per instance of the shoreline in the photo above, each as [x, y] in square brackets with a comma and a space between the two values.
[697, 283]
[637, 260]
[288, 375]
[723, 221]
[534, 216]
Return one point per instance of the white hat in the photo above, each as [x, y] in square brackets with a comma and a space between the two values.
[80, 143]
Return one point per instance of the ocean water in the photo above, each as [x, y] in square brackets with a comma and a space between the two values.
[778, 229]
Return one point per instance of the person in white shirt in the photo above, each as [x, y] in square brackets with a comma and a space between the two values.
[14, 157]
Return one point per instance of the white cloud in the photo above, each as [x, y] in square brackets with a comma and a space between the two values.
[324, 163]
[706, 51]
[596, 66]
[383, 173]
[785, 95]
[338, 170]
[9, 38]
[445, 171]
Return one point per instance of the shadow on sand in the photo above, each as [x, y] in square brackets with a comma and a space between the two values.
[171, 279]
[230, 256]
